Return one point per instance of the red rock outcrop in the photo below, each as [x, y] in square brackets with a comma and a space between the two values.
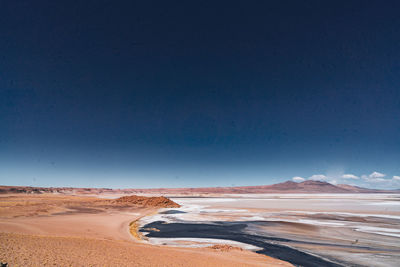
[161, 202]
[224, 247]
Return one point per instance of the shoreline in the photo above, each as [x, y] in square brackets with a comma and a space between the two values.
[234, 232]
[161, 229]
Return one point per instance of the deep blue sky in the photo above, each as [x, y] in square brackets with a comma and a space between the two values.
[173, 94]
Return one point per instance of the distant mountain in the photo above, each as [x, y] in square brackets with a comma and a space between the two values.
[309, 186]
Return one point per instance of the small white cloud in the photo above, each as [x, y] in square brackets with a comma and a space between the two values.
[318, 177]
[377, 180]
[298, 179]
[334, 182]
[377, 175]
[349, 176]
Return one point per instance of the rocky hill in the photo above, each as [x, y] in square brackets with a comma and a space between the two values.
[160, 202]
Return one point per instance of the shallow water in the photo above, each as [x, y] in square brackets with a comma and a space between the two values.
[235, 232]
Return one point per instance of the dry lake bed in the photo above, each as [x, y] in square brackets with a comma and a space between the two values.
[303, 229]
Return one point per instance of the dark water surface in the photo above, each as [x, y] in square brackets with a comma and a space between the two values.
[236, 232]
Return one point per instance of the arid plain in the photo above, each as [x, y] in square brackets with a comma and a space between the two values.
[108, 228]
[61, 230]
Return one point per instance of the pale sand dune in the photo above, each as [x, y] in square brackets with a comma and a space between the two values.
[83, 238]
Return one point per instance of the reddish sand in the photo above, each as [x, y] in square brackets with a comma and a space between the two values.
[225, 247]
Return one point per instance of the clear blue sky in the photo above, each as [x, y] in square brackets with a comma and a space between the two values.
[173, 94]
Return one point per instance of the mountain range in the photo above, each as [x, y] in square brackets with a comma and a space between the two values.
[309, 186]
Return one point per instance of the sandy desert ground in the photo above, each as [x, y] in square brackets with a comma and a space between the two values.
[59, 230]
[227, 230]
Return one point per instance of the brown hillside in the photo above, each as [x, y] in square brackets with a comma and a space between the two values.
[161, 202]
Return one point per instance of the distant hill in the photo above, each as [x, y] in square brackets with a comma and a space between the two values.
[285, 187]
